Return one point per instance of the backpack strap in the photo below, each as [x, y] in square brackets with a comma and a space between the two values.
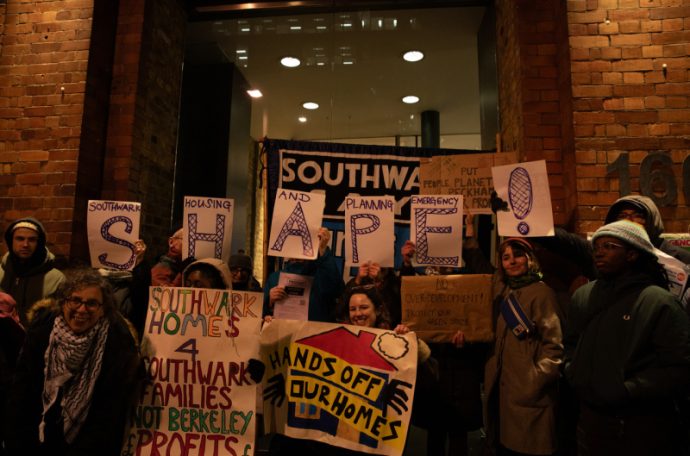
[515, 317]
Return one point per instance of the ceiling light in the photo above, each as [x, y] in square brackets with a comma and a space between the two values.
[290, 62]
[295, 27]
[255, 93]
[310, 105]
[245, 29]
[410, 99]
[413, 56]
[302, 119]
[241, 51]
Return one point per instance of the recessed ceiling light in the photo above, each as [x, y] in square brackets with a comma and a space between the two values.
[410, 99]
[302, 119]
[290, 62]
[295, 27]
[310, 105]
[255, 93]
[245, 29]
[413, 56]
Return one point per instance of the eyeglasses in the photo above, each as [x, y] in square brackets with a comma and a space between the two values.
[630, 215]
[75, 302]
[607, 247]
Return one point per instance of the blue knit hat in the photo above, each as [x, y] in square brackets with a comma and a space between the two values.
[629, 232]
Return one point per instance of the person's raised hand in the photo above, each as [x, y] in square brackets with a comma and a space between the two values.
[407, 251]
[458, 339]
[324, 239]
[276, 294]
[362, 272]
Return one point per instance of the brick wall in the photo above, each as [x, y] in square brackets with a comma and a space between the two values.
[142, 131]
[66, 134]
[625, 101]
[43, 59]
[534, 88]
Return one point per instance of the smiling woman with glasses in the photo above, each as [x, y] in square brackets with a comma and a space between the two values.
[75, 375]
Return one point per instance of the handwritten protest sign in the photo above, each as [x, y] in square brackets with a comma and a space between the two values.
[112, 229]
[296, 222]
[207, 224]
[342, 385]
[369, 230]
[435, 307]
[200, 397]
[525, 186]
[436, 226]
[466, 174]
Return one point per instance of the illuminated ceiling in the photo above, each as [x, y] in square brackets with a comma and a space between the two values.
[352, 67]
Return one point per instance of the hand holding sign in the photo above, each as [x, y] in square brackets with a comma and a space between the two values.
[296, 225]
[525, 186]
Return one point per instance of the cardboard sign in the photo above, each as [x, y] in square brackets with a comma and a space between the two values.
[207, 224]
[435, 307]
[436, 227]
[336, 383]
[467, 174]
[196, 347]
[112, 229]
[369, 230]
[295, 227]
[525, 187]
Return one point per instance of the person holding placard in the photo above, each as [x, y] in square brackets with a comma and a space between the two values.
[167, 272]
[386, 282]
[27, 270]
[76, 374]
[367, 308]
[521, 376]
[326, 287]
[460, 364]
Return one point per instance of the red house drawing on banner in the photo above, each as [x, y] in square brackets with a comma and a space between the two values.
[356, 349]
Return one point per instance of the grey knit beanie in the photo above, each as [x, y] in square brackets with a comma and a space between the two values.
[629, 232]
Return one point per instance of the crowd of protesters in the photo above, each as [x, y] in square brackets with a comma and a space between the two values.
[591, 354]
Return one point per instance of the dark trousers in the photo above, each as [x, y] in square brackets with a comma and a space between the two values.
[600, 433]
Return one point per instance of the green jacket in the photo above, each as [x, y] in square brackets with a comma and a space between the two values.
[37, 283]
[627, 344]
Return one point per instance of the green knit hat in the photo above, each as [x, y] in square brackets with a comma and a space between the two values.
[629, 232]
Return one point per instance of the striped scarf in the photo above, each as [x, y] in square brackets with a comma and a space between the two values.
[72, 363]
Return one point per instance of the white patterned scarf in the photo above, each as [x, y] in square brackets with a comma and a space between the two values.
[72, 363]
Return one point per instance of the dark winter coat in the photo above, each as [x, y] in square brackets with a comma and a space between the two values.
[30, 281]
[102, 431]
[628, 344]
